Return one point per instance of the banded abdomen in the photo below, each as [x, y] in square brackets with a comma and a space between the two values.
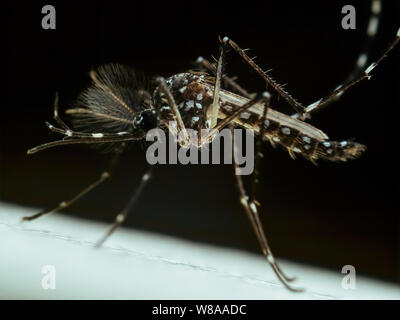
[297, 136]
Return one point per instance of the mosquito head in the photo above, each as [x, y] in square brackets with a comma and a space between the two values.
[147, 120]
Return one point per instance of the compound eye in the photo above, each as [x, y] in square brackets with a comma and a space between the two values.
[147, 120]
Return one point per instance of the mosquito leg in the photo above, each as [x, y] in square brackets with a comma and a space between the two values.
[174, 108]
[340, 90]
[364, 55]
[120, 218]
[212, 112]
[297, 106]
[252, 213]
[56, 116]
[64, 204]
[258, 154]
[97, 139]
[255, 175]
[204, 63]
[76, 134]
[224, 122]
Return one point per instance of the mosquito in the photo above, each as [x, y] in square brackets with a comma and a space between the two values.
[117, 109]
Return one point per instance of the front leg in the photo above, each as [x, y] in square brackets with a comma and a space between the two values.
[297, 106]
[175, 110]
[212, 112]
[121, 216]
[204, 64]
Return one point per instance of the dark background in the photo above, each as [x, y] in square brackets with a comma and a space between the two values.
[328, 215]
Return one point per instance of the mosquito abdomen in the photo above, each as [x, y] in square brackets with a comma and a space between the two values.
[340, 151]
[299, 143]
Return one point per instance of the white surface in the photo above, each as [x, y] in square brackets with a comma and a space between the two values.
[139, 265]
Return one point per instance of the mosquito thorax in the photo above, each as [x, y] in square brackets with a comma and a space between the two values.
[191, 96]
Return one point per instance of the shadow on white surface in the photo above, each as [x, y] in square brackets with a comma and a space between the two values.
[139, 265]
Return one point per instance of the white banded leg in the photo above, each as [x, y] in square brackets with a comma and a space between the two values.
[363, 57]
[226, 121]
[250, 208]
[120, 218]
[64, 204]
[91, 140]
[69, 133]
[212, 112]
[174, 108]
[258, 154]
[341, 89]
[75, 137]
[371, 32]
